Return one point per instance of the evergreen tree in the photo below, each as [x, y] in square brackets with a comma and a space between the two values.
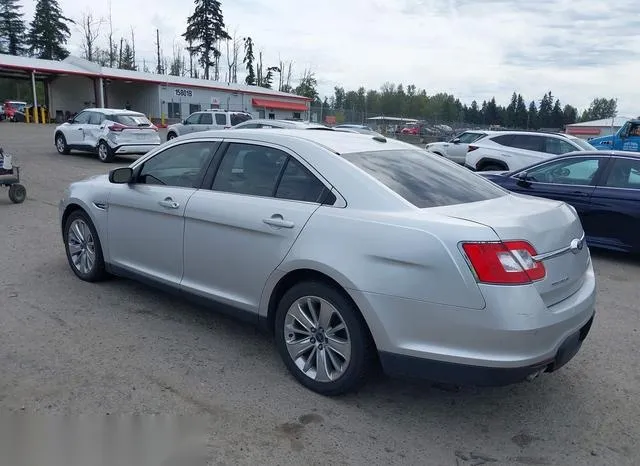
[205, 28]
[48, 32]
[521, 113]
[510, 114]
[248, 60]
[12, 28]
[532, 116]
[127, 60]
[557, 116]
[569, 115]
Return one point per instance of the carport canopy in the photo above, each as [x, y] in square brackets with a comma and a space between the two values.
[279, 105]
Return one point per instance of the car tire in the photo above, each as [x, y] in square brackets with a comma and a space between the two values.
[337, 338]
[61, 144]
[17, 193]
[83, 248]
[171, 136]
[105, 153]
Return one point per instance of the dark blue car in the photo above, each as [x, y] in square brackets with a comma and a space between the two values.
[603, 186]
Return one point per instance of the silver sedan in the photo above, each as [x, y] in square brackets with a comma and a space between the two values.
[352, 250]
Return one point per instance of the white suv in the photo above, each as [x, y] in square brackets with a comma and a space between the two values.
[512, 150]
[456, 148]
[206, 120]
[107, 132]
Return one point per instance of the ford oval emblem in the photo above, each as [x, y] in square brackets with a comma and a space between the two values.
[576, 245]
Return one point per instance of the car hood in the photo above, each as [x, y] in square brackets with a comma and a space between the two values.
[598, 141]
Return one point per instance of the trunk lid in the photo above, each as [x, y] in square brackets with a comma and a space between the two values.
[550, 227]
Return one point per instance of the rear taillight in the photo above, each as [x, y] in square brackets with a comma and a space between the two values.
[471, 148]
[117, 127]
[504, 263]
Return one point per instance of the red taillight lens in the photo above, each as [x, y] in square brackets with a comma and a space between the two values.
[508, 263]
[118, 128]
[471, 148]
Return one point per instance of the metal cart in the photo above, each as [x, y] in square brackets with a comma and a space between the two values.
[11, 179]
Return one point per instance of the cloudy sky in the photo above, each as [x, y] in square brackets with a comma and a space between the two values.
[475, 49]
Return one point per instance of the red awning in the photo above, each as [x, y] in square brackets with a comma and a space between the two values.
[583, 130]
[279, 105]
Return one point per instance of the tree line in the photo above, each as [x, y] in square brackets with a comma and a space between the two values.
[210, 51]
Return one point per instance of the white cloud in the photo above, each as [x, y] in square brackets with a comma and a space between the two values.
[475, 49]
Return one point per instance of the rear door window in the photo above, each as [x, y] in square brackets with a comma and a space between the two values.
[528, 142]
[221, 119]
[557, 146]
[423, 180]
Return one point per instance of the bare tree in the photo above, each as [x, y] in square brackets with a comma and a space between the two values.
[233, 52]
[133, 45]
[90, 28]
[259, 76]
[286, 75]
[113, 48]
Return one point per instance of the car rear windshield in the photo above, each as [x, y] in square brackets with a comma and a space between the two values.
[131, 120]
[237, 118]
[423, 179]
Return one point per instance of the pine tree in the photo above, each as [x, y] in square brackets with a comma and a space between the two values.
[127, 61]
[12, 28]
[205, 29]
[532, 116]
[248, 60]
[48, 32]
[521, 113]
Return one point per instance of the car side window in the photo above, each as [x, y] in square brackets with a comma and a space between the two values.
[468, 138]
[504, 140]
[299, 184]
[221, 119]
[206, 119]
[528, 142]
[82, 118]
[250, 169]
[624, 173]
[193, 119]
[571, 171]
[96, 118]
[182, 165]
[557, 146]
[251, 126]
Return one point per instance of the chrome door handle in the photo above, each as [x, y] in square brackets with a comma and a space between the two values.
[169, 203]
[277, 221]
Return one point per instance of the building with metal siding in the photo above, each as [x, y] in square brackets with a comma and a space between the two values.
[596, 128]
[75, 83]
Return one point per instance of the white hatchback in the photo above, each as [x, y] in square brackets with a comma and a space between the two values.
[107, 132]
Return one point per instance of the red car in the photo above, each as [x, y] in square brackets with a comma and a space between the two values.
[13, 106]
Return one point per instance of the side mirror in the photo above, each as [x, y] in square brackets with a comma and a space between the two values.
[70, 121]
[523, 179]
[123, 175]
[456, 141]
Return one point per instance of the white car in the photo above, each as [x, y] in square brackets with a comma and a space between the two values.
[456, 148]
[206, 120]
[512, 150]
[107, 132]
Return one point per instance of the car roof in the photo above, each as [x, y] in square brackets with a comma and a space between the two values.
[113, 111]
[613, 153]
[340, 142]
[290, 123]
[220, 110]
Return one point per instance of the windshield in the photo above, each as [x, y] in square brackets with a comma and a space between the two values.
[583, 144]
[423, 179]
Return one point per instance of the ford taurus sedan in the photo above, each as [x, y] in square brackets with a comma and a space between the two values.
[352, 250]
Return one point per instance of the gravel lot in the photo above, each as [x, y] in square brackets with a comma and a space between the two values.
[72, 347]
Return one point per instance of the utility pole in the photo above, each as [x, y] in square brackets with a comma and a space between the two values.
[159, 67]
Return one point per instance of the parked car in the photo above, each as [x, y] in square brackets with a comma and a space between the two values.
[354, 126]
[456, 148]
[351, 250]
[512, 150]
[627, 138]
[285, 124]
[14, 110]
[107, 132]
[207, 120]
[604, 187]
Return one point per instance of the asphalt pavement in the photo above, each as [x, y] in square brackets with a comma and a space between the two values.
[120, 348]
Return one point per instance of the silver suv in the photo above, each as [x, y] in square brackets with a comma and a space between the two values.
[207, 120]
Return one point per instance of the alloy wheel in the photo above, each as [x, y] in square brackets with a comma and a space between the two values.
[60, 145]
[82, 247]
[317, 339]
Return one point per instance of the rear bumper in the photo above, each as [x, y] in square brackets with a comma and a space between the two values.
[397, 365]
[134, 148]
